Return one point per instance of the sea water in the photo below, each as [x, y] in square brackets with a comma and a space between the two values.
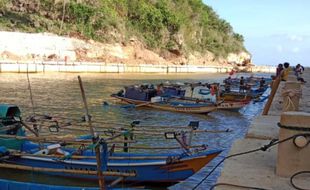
[59, 94]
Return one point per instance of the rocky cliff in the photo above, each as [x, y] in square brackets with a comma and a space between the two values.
[122, 31]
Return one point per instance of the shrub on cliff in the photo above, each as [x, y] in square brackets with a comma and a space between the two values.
[182, 26]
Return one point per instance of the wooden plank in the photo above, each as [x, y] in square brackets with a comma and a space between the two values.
[274, 89]
[92, 132]
[69, 171]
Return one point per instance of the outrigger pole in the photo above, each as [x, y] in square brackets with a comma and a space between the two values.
[30, 91]
[95, 140]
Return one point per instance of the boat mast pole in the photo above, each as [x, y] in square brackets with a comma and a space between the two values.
[97, 148]
[30, 91]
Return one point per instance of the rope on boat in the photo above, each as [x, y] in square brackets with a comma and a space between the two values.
[263, 148]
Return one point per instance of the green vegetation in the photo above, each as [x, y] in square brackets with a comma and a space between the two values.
[182, 25]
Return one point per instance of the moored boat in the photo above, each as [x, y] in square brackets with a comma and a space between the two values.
[187, 98]
[167, 99]
[175, 106]
[37, 154]
[235, 95]
[212, 92]
[198, 92]
[248, 87]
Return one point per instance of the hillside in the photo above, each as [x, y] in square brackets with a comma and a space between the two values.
[183, 31]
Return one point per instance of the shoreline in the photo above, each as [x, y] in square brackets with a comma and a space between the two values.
[101, 67]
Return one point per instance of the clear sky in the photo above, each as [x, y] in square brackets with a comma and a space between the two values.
[275, 31]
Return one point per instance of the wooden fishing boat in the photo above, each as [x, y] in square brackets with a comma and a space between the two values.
[188, 98]
[253, 87]
[230, 105]
[198, 92]
[203, 93]
[246, 95]
[175, 105]
[20, 152]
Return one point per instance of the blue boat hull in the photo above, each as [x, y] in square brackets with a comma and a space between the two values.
[146, 171]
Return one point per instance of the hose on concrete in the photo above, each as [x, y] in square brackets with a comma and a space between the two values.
[296, 174]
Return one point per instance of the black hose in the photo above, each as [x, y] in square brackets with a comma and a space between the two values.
[296, 174]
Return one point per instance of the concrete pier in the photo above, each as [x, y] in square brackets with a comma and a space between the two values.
[259, 169]
[101, 67]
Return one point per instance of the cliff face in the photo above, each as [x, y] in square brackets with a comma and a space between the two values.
[127, 31]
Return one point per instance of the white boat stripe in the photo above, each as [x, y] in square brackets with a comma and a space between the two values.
[94, 163]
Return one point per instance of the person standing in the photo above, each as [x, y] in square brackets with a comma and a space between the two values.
[285, 72]
[241, 85]
[262, 83]
[299, 69]
[227, 84]
[279, 69]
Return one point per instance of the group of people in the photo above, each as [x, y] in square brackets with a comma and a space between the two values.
[284, 69]
[243, 86]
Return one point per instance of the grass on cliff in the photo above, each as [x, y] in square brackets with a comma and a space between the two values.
[183, 25]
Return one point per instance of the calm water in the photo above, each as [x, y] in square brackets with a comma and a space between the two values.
[59, 94]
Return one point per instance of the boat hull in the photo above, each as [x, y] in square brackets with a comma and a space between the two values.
[153, 171]
[193, 108]
[232, 105]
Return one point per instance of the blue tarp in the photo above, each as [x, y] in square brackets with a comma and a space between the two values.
[140, 94]
[7, 110]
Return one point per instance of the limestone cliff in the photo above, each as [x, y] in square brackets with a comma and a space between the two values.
[125, 31]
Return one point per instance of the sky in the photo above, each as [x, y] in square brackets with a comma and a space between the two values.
[275, 31]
